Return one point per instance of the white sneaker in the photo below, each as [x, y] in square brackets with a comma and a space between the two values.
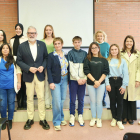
[92, 122]
[80, 120]
[113, 122]
[99, 123]
[57, 128]
[72, 120]
[120, 125]
[63, 122]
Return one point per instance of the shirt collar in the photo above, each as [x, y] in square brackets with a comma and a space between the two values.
[77, 50]
[55, 53]
[31, 44]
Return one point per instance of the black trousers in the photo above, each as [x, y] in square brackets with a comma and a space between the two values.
[116, 98]
[21, 96]
[129, 110]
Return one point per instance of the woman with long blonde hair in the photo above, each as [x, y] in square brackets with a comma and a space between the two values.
[48, 38]
[116, 83]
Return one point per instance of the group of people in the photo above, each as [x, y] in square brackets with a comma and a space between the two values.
[29, 66]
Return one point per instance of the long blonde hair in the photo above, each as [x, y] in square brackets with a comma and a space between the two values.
[44, 35]
[118, 55]
[104, 34]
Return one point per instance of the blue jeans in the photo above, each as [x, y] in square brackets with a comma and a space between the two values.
[58, 98]
[96, 97]
[78, 90]
[8, 98]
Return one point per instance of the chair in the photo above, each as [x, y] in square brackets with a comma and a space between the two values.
[2, 121]
[131, 136]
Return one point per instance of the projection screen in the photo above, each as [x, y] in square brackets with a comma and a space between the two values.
[68, 17]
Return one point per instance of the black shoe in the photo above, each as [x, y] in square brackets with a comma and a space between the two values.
[104, 103]
[28, 124]
[131, 122]
[124, 121]
[23, 108]
[18, 108]
[44, 124]
[4, 126]
[10, 124]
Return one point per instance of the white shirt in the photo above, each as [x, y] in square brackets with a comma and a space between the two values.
[33, 49]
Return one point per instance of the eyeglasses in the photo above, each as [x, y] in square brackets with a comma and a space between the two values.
[94, 48]
[31, 33]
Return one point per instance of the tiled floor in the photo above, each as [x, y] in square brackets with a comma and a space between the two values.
[72, 133]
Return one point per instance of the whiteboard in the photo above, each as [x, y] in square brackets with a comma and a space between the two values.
[68, 18]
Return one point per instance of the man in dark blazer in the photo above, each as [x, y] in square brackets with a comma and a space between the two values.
[32, 59]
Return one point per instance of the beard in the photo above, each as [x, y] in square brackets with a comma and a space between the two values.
[32, 39]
